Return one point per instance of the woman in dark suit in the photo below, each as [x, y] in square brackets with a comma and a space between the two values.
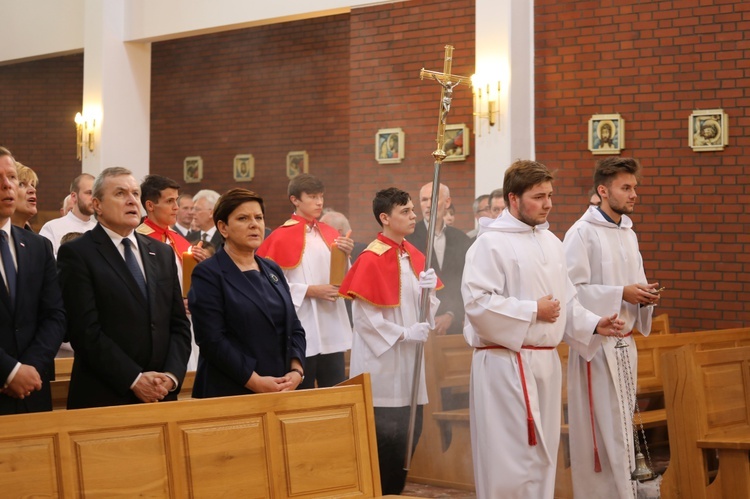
[250, 338]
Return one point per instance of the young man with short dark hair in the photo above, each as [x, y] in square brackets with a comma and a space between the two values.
[605, 266]
[385, 282]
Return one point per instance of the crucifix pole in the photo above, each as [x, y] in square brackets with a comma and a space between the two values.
[447, 81]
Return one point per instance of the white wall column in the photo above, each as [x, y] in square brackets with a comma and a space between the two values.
[504, 51]
[116, 91]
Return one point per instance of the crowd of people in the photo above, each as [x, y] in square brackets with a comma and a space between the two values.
[259, 313]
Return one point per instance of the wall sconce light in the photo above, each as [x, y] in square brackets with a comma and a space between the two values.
[486, 98]
[84, 135]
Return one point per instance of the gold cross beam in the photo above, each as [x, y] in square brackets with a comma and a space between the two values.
[448, 82]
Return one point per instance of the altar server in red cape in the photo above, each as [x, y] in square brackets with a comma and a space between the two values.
[302, 248]
[159, 198]
[385, 283]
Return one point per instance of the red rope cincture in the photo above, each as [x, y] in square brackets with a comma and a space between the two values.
[529, 416]
[597, 462]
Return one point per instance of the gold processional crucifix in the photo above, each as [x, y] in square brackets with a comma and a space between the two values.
[448, 81]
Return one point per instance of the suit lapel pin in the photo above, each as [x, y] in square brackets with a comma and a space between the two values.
[152, 253]
[274, 279]
[23, 245]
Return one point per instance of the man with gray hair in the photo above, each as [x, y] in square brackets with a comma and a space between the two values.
[122, 294]
[203, 213]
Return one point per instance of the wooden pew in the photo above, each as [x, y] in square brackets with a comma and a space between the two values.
[443, 455]
[313, 443]
[708, 406]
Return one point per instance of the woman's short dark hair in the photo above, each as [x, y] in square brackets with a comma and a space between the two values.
[386, 199]
[231, 200]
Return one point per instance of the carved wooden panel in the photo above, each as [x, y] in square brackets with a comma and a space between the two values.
[122, 463]
[220, 454]
[28, 467]
[321, 452]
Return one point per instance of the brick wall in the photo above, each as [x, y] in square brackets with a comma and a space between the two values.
[390, 44]
[264, 91]
[38, 101]
[654, 63]
[325, 86]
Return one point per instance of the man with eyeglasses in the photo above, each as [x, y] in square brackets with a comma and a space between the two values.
[481, 208]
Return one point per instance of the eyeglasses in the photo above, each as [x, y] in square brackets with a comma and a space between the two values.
[484, 210]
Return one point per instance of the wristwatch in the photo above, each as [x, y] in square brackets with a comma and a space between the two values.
[302, 375]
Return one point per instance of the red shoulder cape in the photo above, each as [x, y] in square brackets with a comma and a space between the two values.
[375, 276]
[178, 243]
[286, 244]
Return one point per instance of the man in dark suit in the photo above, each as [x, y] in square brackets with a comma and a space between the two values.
[448, 254]
[127, 319]
[32, 318]
[203, 213]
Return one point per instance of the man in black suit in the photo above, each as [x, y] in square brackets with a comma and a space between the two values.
[127, 319]
[203, 213]
[448, 254]
[32, 318]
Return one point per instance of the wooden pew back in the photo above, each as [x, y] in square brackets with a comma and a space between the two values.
[707, 395]
[443, 455]
[311, 443]
[651, 348]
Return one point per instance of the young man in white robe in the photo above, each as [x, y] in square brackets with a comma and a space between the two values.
[519, 306]
[386, 290]
[605, 266]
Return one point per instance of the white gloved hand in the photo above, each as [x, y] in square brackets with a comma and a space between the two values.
[428, 279]
[418, 332]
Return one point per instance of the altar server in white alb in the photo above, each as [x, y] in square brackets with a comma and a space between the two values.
[520, 304]
[606, 267]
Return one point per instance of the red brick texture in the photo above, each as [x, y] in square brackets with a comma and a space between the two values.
[654, 63]
[324, 86]
[39, 101]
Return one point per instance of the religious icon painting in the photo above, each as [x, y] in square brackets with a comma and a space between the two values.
[606, 134]
[296, 163]
[244, 167]
[456, 142]
[708, 130]
[192, 169]
[389, 145]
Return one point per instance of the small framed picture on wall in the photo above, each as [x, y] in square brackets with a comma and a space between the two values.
[456, 142]
[244, 167]
[606, 134]
[296, 163]
[192, 169]
[708, 130]
[389, 145]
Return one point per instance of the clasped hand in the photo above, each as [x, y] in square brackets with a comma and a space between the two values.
[25, 381]
[152, 386]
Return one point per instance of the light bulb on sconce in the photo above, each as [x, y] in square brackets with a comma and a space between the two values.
[84, 135]
[486, 96]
